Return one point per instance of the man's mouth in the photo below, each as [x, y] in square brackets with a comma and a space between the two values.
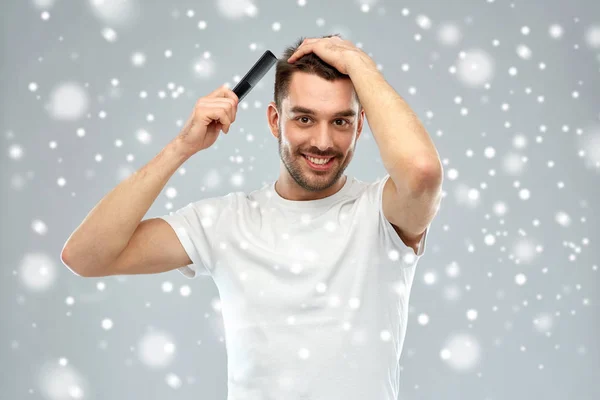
[319, 162]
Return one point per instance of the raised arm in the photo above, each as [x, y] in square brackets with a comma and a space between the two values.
[112, 238]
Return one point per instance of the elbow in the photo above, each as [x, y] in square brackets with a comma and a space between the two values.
[429, 175]
[64, 258]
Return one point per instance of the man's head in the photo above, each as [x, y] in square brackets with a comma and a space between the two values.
[309, 94]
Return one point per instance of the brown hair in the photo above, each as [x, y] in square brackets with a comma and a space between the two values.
[309, 63]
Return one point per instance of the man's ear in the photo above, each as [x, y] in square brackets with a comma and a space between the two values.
[273, 118]
[361, 120]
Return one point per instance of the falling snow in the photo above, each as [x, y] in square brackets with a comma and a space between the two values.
[506, 289]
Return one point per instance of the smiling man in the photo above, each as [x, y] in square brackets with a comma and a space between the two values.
[315, 269]
[317, 118]
[321, 310]
[317, 123]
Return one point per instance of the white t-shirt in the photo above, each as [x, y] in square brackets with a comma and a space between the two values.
[314, 294]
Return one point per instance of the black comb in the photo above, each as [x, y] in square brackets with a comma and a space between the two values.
[256, 73]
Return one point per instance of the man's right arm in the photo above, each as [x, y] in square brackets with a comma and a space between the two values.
[99, 245]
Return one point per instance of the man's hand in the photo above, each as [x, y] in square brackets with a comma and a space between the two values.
[333, 50]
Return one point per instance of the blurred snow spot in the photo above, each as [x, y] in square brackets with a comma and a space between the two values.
[68, 101]
[449, 34]
[237, 9]
[475, 68]
[61, 382]
[156, 350]
[37, 271]
[462, 352]
[116, 11]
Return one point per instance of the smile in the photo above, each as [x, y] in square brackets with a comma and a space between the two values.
[319, 163]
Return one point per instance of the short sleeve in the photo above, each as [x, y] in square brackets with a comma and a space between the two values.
[387, 231]
[196, 225]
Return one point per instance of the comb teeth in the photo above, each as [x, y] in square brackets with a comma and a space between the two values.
[255, 74]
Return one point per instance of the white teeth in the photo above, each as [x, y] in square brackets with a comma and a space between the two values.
[318, 160]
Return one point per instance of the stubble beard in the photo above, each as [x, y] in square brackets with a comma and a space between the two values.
[306, 178]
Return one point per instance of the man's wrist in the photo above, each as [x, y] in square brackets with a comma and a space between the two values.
[180, 149]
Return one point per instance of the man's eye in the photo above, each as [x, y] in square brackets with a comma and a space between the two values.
[344, 122]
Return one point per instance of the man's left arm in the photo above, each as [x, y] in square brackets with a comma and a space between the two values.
[412, 195]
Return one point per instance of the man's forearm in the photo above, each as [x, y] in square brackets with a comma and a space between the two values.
[109, 226]
[408, 153]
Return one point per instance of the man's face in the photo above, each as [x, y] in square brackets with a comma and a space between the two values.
[320, 118]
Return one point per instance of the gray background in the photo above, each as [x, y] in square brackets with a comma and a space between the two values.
[534, 335]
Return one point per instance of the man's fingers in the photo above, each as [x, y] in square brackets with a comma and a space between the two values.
[217, 92]
[228, 93]
[224, 91]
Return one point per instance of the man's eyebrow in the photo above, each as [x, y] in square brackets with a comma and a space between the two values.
[304, 110]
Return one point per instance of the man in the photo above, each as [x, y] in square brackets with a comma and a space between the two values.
[314, 270]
